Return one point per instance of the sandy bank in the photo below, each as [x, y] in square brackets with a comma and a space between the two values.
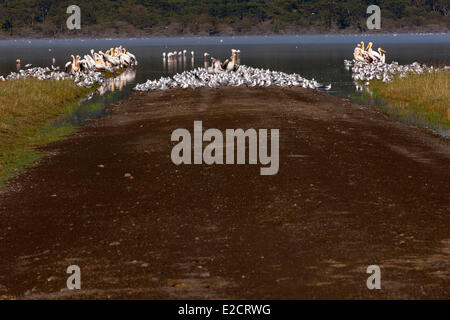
[353, 189]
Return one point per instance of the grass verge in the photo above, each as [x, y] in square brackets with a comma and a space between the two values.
[425, 97]
[27, 108]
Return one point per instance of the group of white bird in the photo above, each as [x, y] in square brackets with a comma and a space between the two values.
[243, 76]
[368, 65]
[363, 72]
[85, 72]
[173, 55]
[227, 73]
[176, 54]
[114, 58]
[367, 54]
[86, 80]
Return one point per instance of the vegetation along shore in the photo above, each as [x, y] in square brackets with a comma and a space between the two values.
[423, 96]
[32, 99]
[27, 109]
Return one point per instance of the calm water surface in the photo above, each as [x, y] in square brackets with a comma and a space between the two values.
[319, 57]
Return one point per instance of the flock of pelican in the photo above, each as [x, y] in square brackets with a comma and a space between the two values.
[113, 58]
[368, 65]
[367, 54]
[242, 76]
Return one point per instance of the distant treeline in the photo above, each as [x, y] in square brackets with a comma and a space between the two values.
[47, 18]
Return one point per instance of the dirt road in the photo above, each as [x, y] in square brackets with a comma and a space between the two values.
[354, 189]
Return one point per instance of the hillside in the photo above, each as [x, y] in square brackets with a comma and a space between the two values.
[47, 18]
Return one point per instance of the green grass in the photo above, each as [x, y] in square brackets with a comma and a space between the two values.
[425, 97]
[27, 108]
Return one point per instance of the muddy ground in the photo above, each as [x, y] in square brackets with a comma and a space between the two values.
[354, 189]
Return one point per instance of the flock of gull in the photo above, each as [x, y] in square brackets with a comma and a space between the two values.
[54, 73]
[229, 73]
[84, 72]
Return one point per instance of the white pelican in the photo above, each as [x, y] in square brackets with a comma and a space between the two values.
[89, 61]
[111, 58]
[132, 57]
[68, 67]
[125, 60]
[370, 53]
[358, 54]
[364, 52]
[83, 66]
[75, 64]
[231, 66]
[216, 65]
[380, 55]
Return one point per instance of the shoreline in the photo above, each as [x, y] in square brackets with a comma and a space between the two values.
[21, 145]
[421, 97]
[349, 193]
[389, 107]
[24, 132]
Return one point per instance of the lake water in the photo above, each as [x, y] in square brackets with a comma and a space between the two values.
[320, 57]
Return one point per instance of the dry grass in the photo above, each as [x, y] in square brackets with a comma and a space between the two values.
[27, 106]
[427, 95]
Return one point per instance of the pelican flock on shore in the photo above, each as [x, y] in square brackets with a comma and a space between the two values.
[368, 65]
[84, 72]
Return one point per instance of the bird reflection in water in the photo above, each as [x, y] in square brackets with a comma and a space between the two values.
[117, 83]
[178, 61]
